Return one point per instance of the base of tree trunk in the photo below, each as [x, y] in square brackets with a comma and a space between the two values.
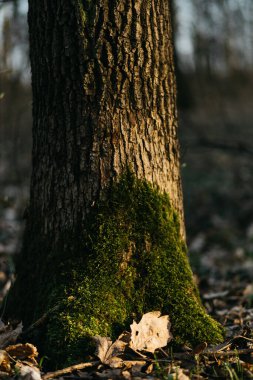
[129, 259]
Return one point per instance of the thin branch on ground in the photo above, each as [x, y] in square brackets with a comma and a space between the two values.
[67, 370]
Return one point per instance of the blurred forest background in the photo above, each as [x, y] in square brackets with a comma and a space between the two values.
[214, 65]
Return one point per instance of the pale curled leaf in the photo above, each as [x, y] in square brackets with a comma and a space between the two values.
[151, 332]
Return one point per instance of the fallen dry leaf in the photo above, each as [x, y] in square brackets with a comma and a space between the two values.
[128, 364]
[109, 352]
[126, 375]
[22, 351]
[199, 348]
[149, 368]
[152, 332]
[5, 365]
[9, 335]
[102, 347]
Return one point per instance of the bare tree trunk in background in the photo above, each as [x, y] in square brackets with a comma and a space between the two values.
[103, 237]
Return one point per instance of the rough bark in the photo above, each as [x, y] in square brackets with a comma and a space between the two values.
[104, 98]
[104, 105]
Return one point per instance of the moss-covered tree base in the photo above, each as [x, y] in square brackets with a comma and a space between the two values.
[132, 261]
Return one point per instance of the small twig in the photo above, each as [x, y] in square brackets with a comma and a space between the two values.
[139, 354]
[163, 352]
[221, 347]
[176, 356]
[64, 371]
[243, 337]
[228, 353]
[181, 355]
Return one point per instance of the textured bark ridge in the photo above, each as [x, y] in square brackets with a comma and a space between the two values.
[104, 98]
[101, 240]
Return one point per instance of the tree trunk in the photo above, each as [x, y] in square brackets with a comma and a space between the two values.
[103, 238]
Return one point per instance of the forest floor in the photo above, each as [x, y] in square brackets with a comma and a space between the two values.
[225, 281]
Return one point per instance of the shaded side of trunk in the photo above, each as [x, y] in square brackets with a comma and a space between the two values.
[105, 212]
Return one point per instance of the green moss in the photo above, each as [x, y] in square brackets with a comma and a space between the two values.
[132, 261]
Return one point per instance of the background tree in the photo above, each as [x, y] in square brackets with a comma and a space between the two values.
[216, 131]
[221, 36]
[104, 239]
[15, 133]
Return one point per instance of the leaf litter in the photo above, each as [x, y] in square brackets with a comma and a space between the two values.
[145, 353]
[17, 360]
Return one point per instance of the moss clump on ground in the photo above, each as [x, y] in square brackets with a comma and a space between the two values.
[133, 261]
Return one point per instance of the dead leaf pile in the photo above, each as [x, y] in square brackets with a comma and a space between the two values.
[17, 358]
[144, 353]
[124, 356]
